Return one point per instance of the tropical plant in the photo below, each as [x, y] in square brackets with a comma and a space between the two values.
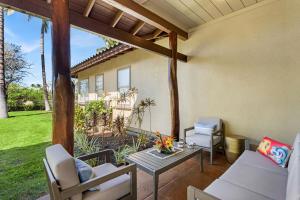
[126, 150]
[149, 103]
[3, 103]
[139, 111]
[143, 139]
[121, 154]
[44, 29]
[85, 145]
[106, 118]
[135, 145]
[80, 119]
[94, 109]
[109, 43]
[118, 126]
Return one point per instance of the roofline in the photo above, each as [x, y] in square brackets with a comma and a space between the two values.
[100, 58]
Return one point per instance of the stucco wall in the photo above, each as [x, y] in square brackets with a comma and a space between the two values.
[243, 68]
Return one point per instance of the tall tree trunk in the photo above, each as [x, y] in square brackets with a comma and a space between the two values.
[3, 105]
[42, 50]
[173, 87]
[63, 94]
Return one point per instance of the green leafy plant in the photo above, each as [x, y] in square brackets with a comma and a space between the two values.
[94, 109]
[125, 151]
[143, 139]
[80, 119]
[118, 126]
[85, 145]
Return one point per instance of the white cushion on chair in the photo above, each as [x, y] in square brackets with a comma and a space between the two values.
[211, 121]
[112, 189]
[62, 165]
[202, 140]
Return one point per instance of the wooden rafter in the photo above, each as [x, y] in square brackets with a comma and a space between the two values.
[137, 27]
[153, 35]
[89, 7]
[117, 18]
[147, 16]
[41, 8]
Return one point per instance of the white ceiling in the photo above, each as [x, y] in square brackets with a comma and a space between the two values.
[188, 14]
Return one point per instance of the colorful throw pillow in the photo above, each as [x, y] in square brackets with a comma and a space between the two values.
[276, 151]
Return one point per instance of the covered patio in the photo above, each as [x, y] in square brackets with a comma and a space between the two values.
[232, 61]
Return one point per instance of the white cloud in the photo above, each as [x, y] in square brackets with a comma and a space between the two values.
[10, 33]
[28, 48]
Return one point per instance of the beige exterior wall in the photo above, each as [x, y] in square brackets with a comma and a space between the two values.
[243, 68]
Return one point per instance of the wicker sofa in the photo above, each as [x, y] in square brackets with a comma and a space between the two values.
[254, 177]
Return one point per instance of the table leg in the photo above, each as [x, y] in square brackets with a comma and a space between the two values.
[155, 186]
[201, 160]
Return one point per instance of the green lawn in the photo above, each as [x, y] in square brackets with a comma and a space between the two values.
[23, 138]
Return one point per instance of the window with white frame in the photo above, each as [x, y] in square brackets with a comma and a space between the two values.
[99, 87]
[124, 79]
[84, 89]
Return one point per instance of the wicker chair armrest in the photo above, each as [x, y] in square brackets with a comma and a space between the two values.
[67, 193]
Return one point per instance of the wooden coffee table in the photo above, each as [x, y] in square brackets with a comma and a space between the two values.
[155, 166]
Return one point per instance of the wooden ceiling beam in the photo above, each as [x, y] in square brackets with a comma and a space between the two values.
[117, 18]
[42, 9]
[89, 7]
[153, 35]
[137, 27]
[147, 16]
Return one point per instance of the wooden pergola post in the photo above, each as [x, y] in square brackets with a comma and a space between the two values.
[173, 87]
[63, 94]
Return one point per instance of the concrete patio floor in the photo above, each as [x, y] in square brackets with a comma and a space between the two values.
[173, 183]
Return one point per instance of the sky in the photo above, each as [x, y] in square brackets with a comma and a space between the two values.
[26, 33]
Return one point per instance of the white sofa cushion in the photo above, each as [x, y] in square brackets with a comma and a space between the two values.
[293, 183]
[227, 191]
[202, 140]
[257, 160]
[62, 165]
[256, 179]
[112, 189]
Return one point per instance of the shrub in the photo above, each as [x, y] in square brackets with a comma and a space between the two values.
[94, 109]
[19, 96]
[80, 119]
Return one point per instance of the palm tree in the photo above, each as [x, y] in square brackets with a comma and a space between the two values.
[3, 103]
[109, 43]
[44, 29]
[149, 103]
